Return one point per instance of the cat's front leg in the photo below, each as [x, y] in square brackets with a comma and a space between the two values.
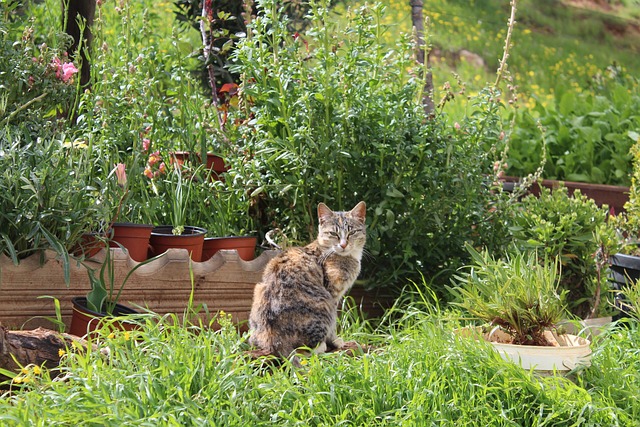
[321, 348]
[333, 340]
[338, 343]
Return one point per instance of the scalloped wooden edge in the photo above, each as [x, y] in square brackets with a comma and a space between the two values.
[171, 256]
[224, 282]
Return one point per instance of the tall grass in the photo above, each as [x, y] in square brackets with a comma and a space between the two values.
[173, 372]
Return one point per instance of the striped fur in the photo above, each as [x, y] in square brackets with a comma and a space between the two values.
[295, 305]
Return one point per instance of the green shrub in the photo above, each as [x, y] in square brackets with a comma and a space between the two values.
[575, 229]
[587, 134]
[518, 293]
[37, 80]
[47, 199]
[334, 116]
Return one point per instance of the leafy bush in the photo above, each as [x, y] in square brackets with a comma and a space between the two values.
[576, 230]
[587, 134]
[628, 222]
[47, 198]
[37, 88]
[333, 116]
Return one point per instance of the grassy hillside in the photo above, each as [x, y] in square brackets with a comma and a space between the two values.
[574, 66]
[555, 43]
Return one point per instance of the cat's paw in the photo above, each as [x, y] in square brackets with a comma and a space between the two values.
[337, 343]
[321, 348]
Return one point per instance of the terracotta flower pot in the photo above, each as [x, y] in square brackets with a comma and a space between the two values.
[133, 237]
[88, 245]
[245, 245]
[191, 239]
[85, 321]
[215, 164]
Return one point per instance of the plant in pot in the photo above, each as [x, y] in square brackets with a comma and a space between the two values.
[47, 201]
[177, 186]
[517, 298]
[124, 228]
[224, 210]
[625, 264]
[102, 300]
[577, 231]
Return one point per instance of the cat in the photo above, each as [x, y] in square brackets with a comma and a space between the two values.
[296, 303]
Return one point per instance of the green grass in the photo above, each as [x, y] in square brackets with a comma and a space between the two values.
[422, 373]
[554, 45]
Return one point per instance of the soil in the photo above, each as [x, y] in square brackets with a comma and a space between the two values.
[619, 27]
[598, 5]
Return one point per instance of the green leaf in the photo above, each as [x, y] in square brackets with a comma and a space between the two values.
[394, 192]
[567, 103]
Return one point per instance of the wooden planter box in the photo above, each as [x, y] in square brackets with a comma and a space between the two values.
[224, 282]
[611, 195]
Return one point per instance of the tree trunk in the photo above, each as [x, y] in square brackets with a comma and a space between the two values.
[84, 10]
[39, 346]
[418, 24]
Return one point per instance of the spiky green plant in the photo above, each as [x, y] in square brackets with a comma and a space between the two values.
[630, 299]
[518, 293]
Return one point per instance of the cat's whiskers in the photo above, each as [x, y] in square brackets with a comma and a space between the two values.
[326, 255]
[367, 255]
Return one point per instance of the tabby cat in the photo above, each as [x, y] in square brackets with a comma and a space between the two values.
[296, 303]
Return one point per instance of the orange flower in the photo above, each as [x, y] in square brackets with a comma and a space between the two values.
[154, 158]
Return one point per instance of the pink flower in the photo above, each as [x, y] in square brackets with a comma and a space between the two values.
[121, 174]
[147, 172]
[68, 70]
[146, 143]
[64, 71]
[162, 168]
[456, 125]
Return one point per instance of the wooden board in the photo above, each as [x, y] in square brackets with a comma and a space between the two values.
[223, 283]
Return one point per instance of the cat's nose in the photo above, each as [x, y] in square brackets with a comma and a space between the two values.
[343, 244]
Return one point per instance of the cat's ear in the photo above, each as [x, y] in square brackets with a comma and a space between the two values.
[359, 211]
[324, 213]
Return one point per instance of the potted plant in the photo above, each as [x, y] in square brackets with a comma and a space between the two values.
[122, 231]
[517, 298]
[46, 201]
[577, 231]
[178, 185]
[625, 264]
[224, 210]
[102, 299]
